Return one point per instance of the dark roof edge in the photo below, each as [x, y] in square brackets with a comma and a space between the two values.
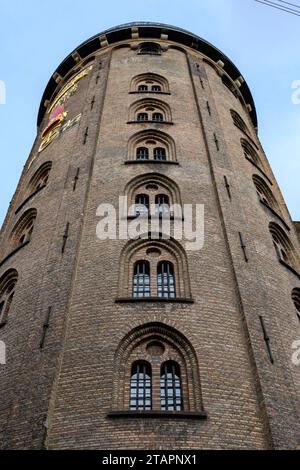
[147, 30]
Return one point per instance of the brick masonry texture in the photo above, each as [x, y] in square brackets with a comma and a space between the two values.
[59, 397]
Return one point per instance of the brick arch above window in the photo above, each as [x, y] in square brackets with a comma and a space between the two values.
[150, 107]
[251, 154]
[283, 246]
[157, 344]
[151, 146]
[40, 178]
[239, 122]
[154, 252]
[8, 284]
[22, 231]
[265, 194]
[149, 83]
[153, 185]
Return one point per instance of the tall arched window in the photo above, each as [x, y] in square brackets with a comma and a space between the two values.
[7, 291]
[142, 153]
[142, 117]
[160, 154]
[239, 122]
[150, 109]
[157, 117]
[159, 353]
[170, 387]
[264, 193]
[283, 246]
[40, 178]
[163, 261]
[142, 204]
[149, 83]
[141, 387]
[166, 280]
[23, 230]
[250, 153]
[162, 204]
[152, 145]
[141, 280]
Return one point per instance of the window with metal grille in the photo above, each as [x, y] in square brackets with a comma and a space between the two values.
[162, 204]
[142, 204]
[158, 117]
[141, 117]
[160, 154]
[170, 387]
[141, 387]
[142, 153]
[166, 280]
[141, 280]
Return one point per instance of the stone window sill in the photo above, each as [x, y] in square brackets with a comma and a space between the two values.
[150, 92]
[201, 415]
[169, 123]
[151, 162]
[128, 300]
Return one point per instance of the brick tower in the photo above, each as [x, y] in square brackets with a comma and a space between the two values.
[142, 343]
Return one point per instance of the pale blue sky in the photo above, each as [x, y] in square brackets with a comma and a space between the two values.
[35, 36]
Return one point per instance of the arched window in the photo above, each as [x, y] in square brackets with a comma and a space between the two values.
[157, 117]
[142, 204]
[160, 154]
[150, 109]
[142, 153]
[142, 88]
[141, 280]
[163, 260]
[239, 122]
[152, 145]
[23, 230]
[170, 387]
[156, 88]
[141, 387]
[40, 178]
[150, 48]
[283, 246]
[296, 300]
[155, 191]
[160, 354]
[7, 291]
[250, 153]
[149, 83]
[166, 280]
[264, 193]
[162, 204]
[142, 117]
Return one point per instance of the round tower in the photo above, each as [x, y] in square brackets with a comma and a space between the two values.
[117, 341]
